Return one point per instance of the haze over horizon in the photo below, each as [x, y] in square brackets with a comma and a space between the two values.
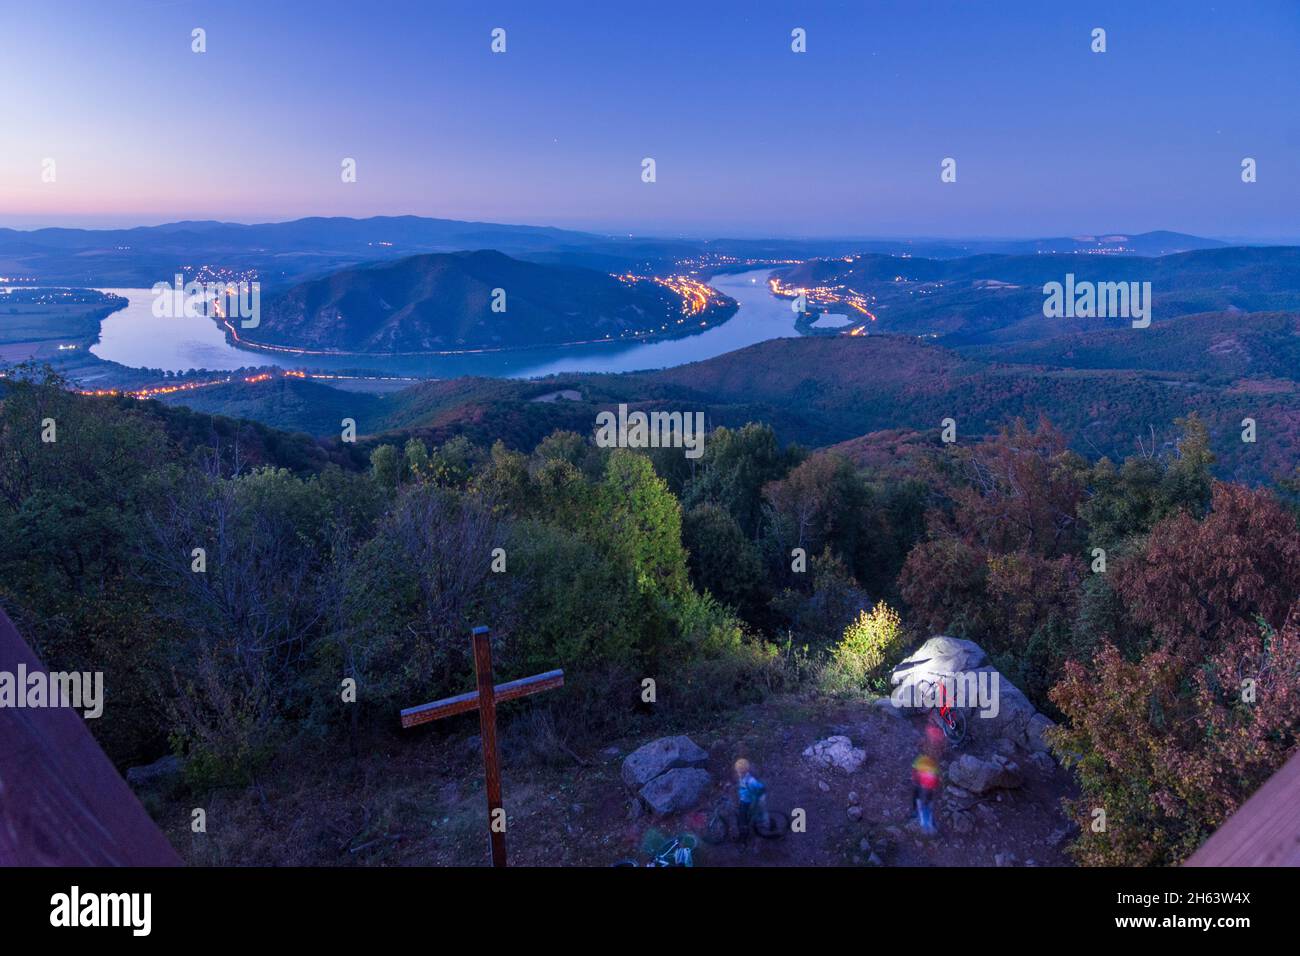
[114, 225]
[749, 138]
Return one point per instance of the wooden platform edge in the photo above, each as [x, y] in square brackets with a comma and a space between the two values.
[1265, 830]
[62, 802]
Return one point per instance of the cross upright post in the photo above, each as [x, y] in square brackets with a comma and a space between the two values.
[487, 722]
[484, 700]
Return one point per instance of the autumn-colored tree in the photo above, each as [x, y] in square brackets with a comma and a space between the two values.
[1000, 561]
[944, 582]
[823, 503]
[1169, 744]
[1201, 585]
[1021, 492]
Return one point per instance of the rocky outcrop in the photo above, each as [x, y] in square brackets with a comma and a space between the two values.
[659, 756]
[995, 707]
[163, 772]
[835, 753]
[975, 775]
[668, 775]
[676, 790]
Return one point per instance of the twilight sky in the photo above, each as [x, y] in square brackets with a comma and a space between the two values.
[749, 138]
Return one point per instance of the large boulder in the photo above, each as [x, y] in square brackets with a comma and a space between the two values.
[835, 753]
[667, 753]
[1006, 714]
[938, 659]
[1034, 738]
[978, 775]
[676, 790]
[162, 773]
[941, 655]
[995, 708]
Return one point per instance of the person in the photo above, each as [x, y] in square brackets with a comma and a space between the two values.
[925, 780]
[752, 796]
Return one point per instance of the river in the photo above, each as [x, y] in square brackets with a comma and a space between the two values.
[133, 336]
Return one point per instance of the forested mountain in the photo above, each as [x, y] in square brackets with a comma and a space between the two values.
[471, 300]
[818, 391]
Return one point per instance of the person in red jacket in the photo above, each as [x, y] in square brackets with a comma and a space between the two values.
[925, 779]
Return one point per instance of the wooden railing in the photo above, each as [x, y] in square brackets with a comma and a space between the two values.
[1265, 830]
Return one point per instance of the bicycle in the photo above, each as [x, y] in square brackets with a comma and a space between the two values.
[949, 719]
[679, 851]
[768, 824]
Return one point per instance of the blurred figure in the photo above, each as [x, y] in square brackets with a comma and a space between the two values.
[752, 795]
[925, 779]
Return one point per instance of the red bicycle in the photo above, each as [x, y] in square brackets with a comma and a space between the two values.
[949, 719]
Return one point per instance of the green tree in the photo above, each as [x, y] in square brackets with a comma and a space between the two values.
[640, 520]
[722, 560]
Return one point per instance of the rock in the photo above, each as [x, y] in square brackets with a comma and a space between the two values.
[864, 845]
[1060, 835]
[1004, 859]
[962, 821]
[884, 705]
[940, 655]
[823, 786]
[668, 753]
[855, 813]
[937, 660]
[996, 709]
[853, 797]
[955, 796]
[611, 751]
[1034, 738]
[1043, 763]
[676, 790]
[1007, 714]
[836, 753]
[975, 775]
[165, 771]
[875, 860]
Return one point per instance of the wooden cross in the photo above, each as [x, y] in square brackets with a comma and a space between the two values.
[485, 700]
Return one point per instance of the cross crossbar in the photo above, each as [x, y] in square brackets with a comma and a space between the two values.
[464, 703]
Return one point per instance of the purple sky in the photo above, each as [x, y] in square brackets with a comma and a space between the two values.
[749, 137]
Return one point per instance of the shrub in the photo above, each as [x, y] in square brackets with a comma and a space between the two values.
[870, 643]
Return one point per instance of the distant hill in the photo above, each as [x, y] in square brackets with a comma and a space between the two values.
[288, 404]
[283, 253]
[1218, 346]
[1158, 243]
[823, 391]
[988, 300]
[279, 252]
[443, 302]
